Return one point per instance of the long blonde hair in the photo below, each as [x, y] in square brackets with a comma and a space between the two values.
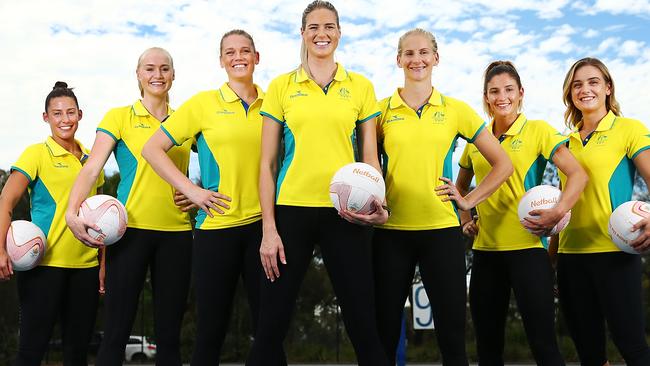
[164, 51]
[572, 115]
[314, 5]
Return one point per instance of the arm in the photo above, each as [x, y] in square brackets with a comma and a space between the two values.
[100, 152]
[368, 151]
[271, 247]
[577, 179]
[467, 222]
[14, 188]
[155, 152]
[490, 148]
[642, 243]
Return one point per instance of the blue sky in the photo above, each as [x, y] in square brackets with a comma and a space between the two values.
[94, 48]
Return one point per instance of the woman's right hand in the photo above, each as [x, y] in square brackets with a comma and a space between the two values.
[470, 228]
[79, 228]
[6, 269]
[207, 200]
[270, 249]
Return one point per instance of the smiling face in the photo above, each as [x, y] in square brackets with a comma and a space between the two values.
[321, 33]
[155, 73]
[589, 90]
[238, 57]
[503, 96]
[63, 116]
[417, 57]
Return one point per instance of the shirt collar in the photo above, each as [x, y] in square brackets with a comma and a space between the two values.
[605, 124]
[515, 127]
[140, 110]
[58, 150]
[230, 96]
[396, 100]
[341, 74]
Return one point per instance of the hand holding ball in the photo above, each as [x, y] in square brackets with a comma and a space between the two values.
[108, 214]
[355, 187]
[539, 198]
[621, 221]
[26, 245]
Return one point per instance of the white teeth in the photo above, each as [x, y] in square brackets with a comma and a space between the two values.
[156, 83]
[239, 66]
[322, 43]
[65, 128]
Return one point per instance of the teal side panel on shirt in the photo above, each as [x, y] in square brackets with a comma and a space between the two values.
[210, 173]
[289, 150]
[535, 173]
[447, 171]
[43, 206]
[128, 165]
[621, 183]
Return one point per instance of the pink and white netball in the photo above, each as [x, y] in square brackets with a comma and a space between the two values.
[106, 212]
[621, 221]
[26, 245]
[539, 198]
[355, 187]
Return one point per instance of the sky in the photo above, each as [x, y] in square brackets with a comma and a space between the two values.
[94, 45]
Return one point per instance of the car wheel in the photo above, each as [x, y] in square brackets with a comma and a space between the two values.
[139, 357]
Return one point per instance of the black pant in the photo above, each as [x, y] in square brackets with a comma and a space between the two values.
[441, 258]
[600, 287]
[347, 257]
[168, 253]
[528, 272]
[219, 258]
[50, 293]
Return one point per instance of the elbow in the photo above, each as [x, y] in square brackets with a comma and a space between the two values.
[508, 169]
[146, 151]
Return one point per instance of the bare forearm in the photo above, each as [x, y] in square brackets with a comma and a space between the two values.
[492, 181]
[267, 198]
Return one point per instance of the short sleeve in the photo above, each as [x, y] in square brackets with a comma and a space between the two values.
[28, 163]
[550, 140]
[639, 139]
[465, 161]
[369, 107]
[469, 122]
[272, 105]
[185, 122]
[111, 124]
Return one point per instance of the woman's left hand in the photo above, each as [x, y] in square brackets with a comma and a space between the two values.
[451, 192]
[378, 216]
[642, 243]
[541, 222]
[183, 203]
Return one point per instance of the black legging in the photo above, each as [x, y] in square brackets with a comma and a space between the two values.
[219, 258]
[528, 272]
[600, 287]
[441, 257]
[50, 293]
[127, 261]
[347, 257]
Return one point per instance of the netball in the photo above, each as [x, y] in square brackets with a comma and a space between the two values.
[106, 212]
[539, 198]
[355, 187]
[26, 245]
[621, 221]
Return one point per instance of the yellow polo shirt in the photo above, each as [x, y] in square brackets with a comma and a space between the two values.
[149, 200]
[608, 158]
[530, 144]
[228, 135]
[51, 171]
[318, 131]
[417, 147]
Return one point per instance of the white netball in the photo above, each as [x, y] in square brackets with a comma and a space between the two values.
[26, 245]
[539, 198]
[621, 221]
[355, 187]
[106, 212]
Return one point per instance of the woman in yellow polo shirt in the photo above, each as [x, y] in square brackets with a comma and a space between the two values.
[159, 236]
[315, 110]
[417, 134]
[228, 127]
[66, 282]
[597, 282]
[506, 256]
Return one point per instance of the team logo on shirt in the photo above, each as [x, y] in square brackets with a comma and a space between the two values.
[225, 111]
[515, 144]
[141, 125]
[298, 93]
[602, 139]
[59, 164]
[344, 93]
[439, 117]
[394, 118]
